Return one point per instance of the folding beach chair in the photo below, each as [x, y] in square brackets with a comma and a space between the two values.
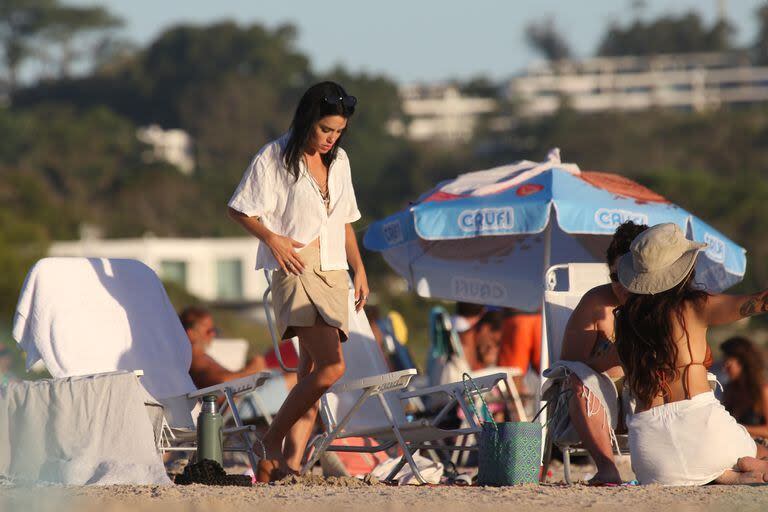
[346, 410]
[564, 286]
[84, 316]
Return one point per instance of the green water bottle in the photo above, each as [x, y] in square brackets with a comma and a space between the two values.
[209, 438]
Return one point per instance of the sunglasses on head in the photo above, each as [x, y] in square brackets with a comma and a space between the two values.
[346, 101]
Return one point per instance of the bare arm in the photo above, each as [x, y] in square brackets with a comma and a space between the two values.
[761, 430]
[725, 309]
[356, 264]
[580, 333]
[206, 371]
[282, 247]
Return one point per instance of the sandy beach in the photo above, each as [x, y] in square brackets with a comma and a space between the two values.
[350, 494]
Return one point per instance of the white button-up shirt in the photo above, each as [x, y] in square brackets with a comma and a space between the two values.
[295, 208]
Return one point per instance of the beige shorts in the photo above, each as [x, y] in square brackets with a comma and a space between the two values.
[298, 299]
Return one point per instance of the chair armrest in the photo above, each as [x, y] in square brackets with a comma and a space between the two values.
[385, 382]
[237, 430]
[485, 383]
[237, 386]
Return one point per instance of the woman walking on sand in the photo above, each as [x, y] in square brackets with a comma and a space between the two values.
[679, 434]
[297, 198]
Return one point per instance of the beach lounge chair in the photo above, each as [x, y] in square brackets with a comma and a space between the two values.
[369, 402]
[564, 286]
[85, 316]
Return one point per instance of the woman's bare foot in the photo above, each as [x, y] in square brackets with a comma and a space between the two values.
[752, 464]
[731, 477]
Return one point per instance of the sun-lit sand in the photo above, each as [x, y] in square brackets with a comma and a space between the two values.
[316, 495]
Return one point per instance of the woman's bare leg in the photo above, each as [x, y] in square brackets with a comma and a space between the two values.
[298, 436]
[323, 345]
[593, 430]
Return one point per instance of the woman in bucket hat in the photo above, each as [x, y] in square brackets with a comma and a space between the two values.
[680, 434]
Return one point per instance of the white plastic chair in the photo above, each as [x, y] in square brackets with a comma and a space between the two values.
[565, 285]
[346, 410]
[84, 316]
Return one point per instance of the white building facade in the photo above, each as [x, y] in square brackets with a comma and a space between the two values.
[440, 112]
[213, 269]
[686, 81]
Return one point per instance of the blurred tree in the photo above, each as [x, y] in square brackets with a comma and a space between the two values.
[668, 34]
[28, 28]
[63, 25]
[543, 36]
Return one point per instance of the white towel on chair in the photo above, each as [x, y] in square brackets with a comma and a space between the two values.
[599, 389]
[92, 315]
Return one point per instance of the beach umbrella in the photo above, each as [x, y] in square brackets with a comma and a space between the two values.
[489, 236]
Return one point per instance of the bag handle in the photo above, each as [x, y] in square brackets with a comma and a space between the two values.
[488, 417]
[555, 398]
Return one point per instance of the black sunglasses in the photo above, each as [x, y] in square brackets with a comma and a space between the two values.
[346, 101]
[614, 277]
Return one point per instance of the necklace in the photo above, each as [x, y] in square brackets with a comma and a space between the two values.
[323, 191]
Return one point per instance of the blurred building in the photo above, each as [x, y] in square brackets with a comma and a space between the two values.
[440, 112]
[213, 269]
[695, 81]
[173, 146]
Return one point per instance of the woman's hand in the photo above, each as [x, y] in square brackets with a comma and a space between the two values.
[361, 289]
[284, 250]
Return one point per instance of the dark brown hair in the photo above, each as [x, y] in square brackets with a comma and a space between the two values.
[744, 395]
[645, 337]
[311, 108]
[622, 239]
[191, 315]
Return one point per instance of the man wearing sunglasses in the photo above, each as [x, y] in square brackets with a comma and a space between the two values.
[205, 370]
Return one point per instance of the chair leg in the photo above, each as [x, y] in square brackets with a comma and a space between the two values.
[567, 465]
[400, 464]
[330, 436]
[406, 450]
[243, 435]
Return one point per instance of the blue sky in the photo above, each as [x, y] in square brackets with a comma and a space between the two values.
[418, 40]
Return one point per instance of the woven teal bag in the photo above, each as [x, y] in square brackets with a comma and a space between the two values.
[509, 453]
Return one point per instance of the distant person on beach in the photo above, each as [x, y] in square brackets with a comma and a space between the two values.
[205, 370]
[746, 393]
[521, 345]
[464, 321]
[588, 338]
[679, 433]
[488, 338]
[297, 198]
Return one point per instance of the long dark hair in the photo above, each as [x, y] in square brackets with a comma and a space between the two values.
[744, 395]
[645, 337]
[316, 103]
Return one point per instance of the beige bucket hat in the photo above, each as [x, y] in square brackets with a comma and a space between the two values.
[658, 260]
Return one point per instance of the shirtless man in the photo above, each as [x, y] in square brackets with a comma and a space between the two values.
[589, 339]
[204, 370]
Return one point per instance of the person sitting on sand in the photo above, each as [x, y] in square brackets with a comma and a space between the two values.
[679, 433]
[205, 370]
[587, 342]
[746, 393]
